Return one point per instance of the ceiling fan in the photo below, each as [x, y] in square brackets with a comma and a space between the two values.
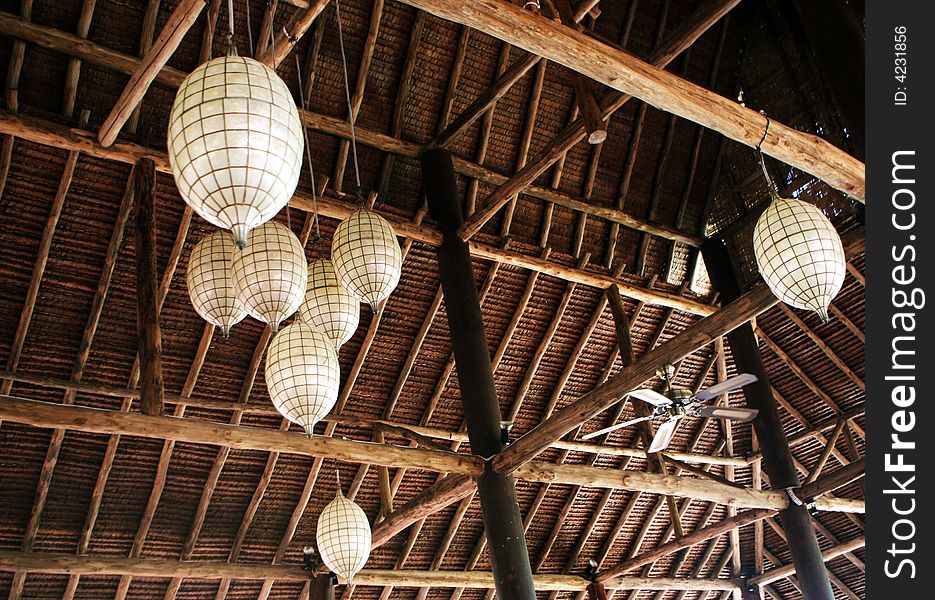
[677, 403]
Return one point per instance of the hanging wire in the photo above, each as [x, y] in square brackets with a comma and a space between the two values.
[770, 186]
[347, 93]
[249, 30]
[231, 47]
[311, 169]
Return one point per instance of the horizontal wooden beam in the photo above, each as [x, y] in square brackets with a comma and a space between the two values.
[826, 555]
[64, 564]
[48, 415]
[349, 419]
[655, 86]
[95, 420]
[77, 47]
[51, 134]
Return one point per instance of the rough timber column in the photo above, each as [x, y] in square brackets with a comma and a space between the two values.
[777, 458]
[502, 520]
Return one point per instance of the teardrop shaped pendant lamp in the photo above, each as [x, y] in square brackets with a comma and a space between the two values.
[799, 252]
[235, 143]
[343, 537]
[211, 284]
[328, 306]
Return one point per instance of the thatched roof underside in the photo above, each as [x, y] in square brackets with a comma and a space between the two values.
[683, 176]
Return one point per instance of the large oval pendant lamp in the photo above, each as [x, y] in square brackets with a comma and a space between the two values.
[799, 253]
[211, 284]
[343, 536]
[366, 256]
[271, 274]
[235, 143]
[302, 374]
[328, 306]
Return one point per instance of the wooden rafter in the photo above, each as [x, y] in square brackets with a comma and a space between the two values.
[651, 84]
[155, 58]
[291, 33]
[99, 565]
[47, 133]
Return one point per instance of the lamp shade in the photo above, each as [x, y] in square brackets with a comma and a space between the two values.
[366, 256]
[800, 255]
[210, 281]
[302, 374]
[344, 537]
[271, 274]
[235, 143]
[328, 306]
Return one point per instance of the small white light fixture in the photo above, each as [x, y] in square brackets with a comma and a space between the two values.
[271, 274]
[210, 282]
[235, 143]
[302, 374]
[366, 256]
[799, 253]
[343, 536]
[328, 306]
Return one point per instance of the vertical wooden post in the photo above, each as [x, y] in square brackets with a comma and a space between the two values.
[502, 520]
[777, 458]
[321, 588]
[147, 286]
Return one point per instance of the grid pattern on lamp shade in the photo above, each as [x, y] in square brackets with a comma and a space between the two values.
[343, 536]
[210, 284]
[235, 142]
[271, 274]
[302, 374]
[799, 253]
[366, 256]
[328, 306]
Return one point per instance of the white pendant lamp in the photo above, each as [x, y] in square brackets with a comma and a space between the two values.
[343, 536]
[366, 256]
[271, 274]
[328, 306]
[302, 374]
[235, 143]
[799, 253]
[210, 281]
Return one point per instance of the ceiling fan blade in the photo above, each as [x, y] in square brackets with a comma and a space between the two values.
[727, 412]
[614, 427]
[728, 385]
[651, 396]
[663, 435]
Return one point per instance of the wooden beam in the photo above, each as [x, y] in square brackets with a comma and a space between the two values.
[44, 414]
[555, 149]
[590, 110]
[155, 58]
[291, 33]
[784, 571]
[696, 336]
[44, 132]
[833, 481]
[502, 521]
[59, 564]
[653, 85]
[152, 392]
[686, 541]
[92, 53]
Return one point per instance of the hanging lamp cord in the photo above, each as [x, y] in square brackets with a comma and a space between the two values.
[311, 168]
[231, 46]
[347, 94]
[770, 186]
